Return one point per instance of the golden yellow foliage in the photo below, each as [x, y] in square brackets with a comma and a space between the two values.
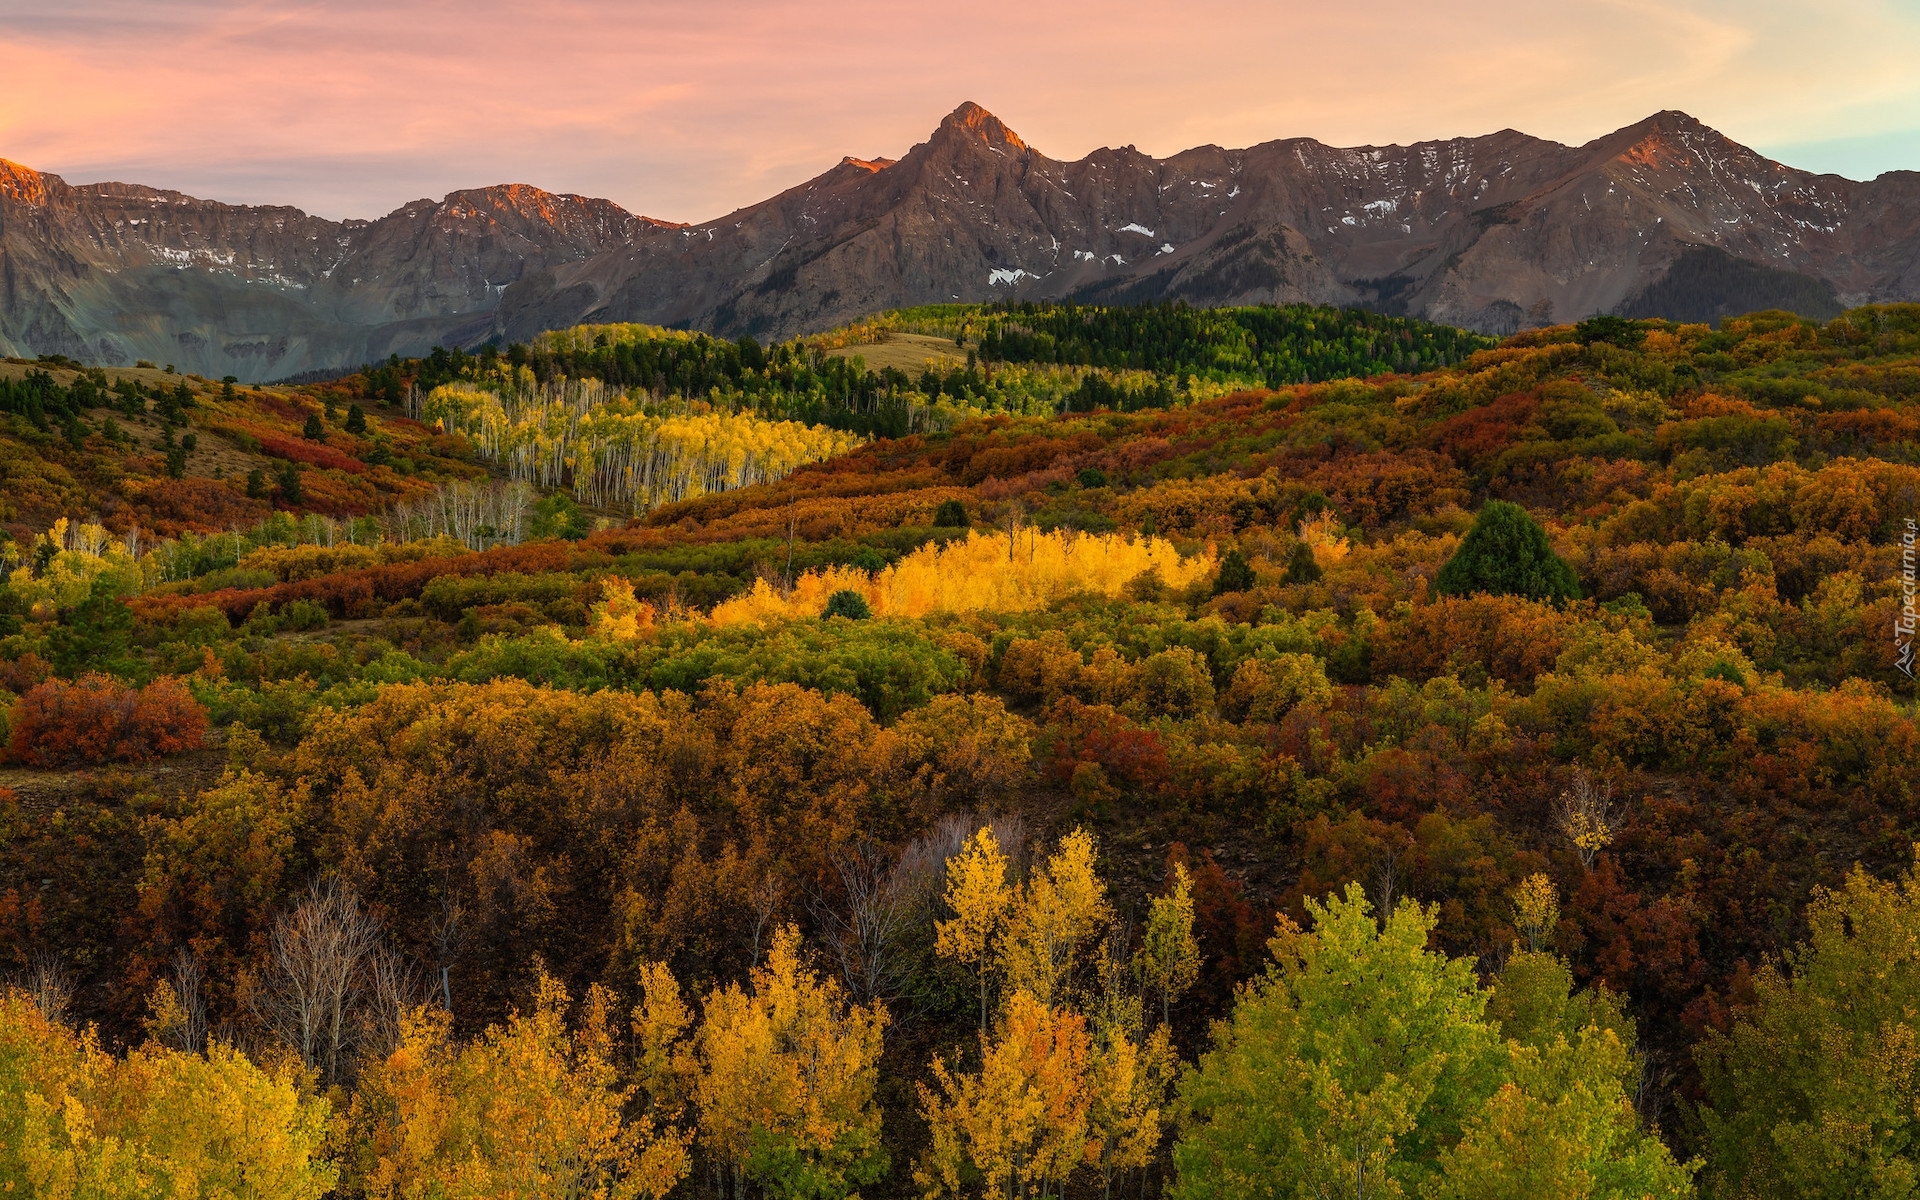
[1536, 909]
[1127, 1084]
[80, 553]
[784, 1076]
[1055, 916]
[1021, 1121]
[527, 1110]
[620, 617]
[77, 1122]
[616, 454]
[1322, 534]
[987, 572]
[978, 894]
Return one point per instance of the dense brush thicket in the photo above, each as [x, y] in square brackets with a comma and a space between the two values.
[1491, 781]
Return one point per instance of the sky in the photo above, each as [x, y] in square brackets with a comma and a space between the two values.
[687, 109]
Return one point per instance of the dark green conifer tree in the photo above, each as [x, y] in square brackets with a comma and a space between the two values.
[1506, 554]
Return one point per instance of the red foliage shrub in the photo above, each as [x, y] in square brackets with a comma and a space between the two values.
[1474, 437]
[1232, 936]
[195, 504]
[1097, 733]
[23, 672]
[352, 593]
[314, 454]
[1503, 637]
[99, 720]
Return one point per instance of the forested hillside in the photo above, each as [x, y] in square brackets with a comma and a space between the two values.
[1242, 753]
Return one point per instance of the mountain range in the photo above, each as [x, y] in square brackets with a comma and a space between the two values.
[1666, 217]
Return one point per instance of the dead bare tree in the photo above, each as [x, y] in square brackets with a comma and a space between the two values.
[50, 986]
[316, 975]
[188, 980]
[763, 902]
[922, 869]
[394, 988]
[449, 939]
[863, 931]
[1386, 878]
[1584, 815]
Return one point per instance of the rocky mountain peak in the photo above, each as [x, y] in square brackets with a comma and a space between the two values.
[22, 185]
[1669, 140]
[976, 124]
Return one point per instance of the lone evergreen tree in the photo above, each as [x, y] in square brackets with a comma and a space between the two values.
[849, 604]
[1302, 568]
[950, 515]
[1506, 554]
[314, 430]
[1236, 573]
[289, 483]
[356, 419]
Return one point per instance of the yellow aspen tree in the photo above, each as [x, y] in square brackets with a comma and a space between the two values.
[980, 897]
[225, 1127]
[529, 1109]
[403, 1110]
[994, 572]
[1168, 961]
[1019, 1126]
[786, 1076]
[546, 1109]
[1057, 914]
[1127, 1085]
[75, 1122]
[51, 1140]
[620, 617]
[662, 1063]
[1536, 910]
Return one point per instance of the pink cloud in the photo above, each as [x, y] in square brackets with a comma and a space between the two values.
[686, 110]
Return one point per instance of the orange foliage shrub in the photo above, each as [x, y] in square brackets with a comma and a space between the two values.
[99, 720]
[1505, 637]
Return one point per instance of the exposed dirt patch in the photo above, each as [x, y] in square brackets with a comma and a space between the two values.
[43, 791]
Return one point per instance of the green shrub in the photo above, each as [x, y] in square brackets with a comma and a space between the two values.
[849, 604]
[1302, 568]
[1506, 554]
[303, 615]
[557, 516]
[1236, 574]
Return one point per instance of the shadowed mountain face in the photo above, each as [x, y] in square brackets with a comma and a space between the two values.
[112, 273]
[1497, 233]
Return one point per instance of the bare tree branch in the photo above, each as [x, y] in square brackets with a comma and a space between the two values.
[316, 976]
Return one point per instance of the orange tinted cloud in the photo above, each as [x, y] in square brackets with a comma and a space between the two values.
[684, 110]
